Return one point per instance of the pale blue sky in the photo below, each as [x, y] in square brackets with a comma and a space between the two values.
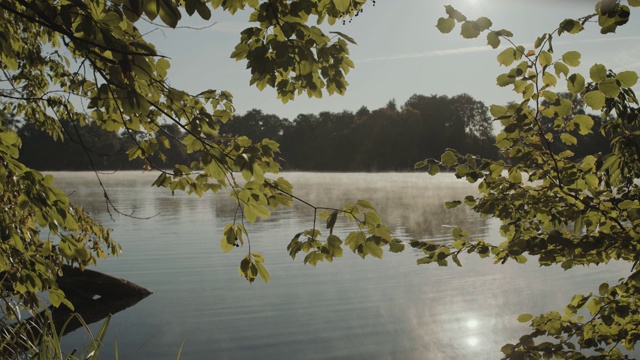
[399, 53]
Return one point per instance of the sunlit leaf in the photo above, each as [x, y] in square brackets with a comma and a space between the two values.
[568, 139]
[342, 5]
[493, 39]
[560, 68]
[571, 58]
[594, 99]
[584, 122]
[448, 158]
[598, 72]
[545, 58]
[344, 36]
[609, 87]
[445, 25]
[452, 204]
[575, 83]
[627, 79]
[507, 57]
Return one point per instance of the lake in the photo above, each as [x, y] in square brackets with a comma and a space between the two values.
[348, 309]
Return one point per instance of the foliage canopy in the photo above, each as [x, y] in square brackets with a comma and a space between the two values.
[85, 63]
[554, 207]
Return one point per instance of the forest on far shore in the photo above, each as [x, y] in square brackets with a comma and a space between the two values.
[391, 138]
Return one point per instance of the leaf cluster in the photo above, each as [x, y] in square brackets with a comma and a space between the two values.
[554, 207]
[368, 240]
[86, 63]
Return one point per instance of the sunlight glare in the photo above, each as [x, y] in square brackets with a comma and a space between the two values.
[472, 341]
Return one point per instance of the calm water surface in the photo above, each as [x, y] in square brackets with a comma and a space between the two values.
[348, 309]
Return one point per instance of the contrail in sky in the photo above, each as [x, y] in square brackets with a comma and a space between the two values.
[477, 49]
[432, 53]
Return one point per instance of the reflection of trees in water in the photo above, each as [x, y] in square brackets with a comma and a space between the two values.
[129, 191]
[411, 204]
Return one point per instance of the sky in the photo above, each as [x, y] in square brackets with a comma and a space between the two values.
[399, 53]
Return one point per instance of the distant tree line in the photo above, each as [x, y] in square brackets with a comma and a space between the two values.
[390, 138]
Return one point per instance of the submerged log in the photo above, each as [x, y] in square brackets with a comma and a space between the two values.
[94, 296]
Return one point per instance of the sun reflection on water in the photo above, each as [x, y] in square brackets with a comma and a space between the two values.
[472, 340]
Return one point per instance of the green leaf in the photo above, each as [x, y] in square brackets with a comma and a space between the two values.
[190, 6]
[505, 33]
[452, 204]
[445, 25]
[57, 297]
[449, 158]
[262, 272]
[496, 170]
[365, 204]
[603, 289]
[420, 164]
[373, 249]
[483, 23]
[507, 56]
[609, 87]
[561, 68]
[594, 306]
[591, 180]
[433, 169]
[498, 111]
[462, 170]
[331, 221]
[469, 30]
[169, 13]
[598, 72]
[372, 218]
[588, 163]
[493, 39]
[594, 99]
[584, 122]
[396, 246]
[457, 15]
[525, 317]
[571, 58]
[504, 80]
[345, 36]
[571, 26]
[539, 41]
[544, 58]
[515, 176]
[151, 8]
[575, 83]
[228, 241]
[549, 79]
[342, 5]
[455, 259]
[626, 204]
[568, 139]
[203, 10]
[627, 79]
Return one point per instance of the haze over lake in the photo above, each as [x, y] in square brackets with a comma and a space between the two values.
[348, 309]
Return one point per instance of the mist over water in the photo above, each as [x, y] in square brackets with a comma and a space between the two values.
[348, 309]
